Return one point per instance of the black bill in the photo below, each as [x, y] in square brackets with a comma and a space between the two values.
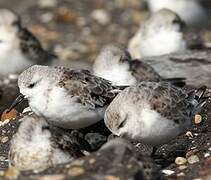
[17, 101]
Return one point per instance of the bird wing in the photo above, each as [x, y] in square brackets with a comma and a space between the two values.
[168, 100]
[67, 140]
[143, 72]
[90, 90]
[32, 48]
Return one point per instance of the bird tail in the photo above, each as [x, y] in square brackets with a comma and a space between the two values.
[198, 98]
[179, 82]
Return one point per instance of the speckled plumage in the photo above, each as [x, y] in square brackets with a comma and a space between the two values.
[32, 48]
[193, 12]
[19, 47]
[37, 146]
[117, 65]
[67, 98]
[162, 33]
[152, 112]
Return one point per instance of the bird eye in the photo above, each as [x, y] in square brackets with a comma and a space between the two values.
[15, 23]
[176, 21]
[31, 85]
[125, 57]
[122, 124]
[45, 128]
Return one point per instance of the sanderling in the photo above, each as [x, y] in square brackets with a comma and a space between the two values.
[153, 112]
[67, 98]
[117, 66]
[191, 11]
[35, 146]
[162, 33]
[19, 48]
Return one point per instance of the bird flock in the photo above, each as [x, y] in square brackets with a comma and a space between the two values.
[133, 100]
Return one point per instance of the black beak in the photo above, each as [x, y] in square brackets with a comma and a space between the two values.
[17, 101]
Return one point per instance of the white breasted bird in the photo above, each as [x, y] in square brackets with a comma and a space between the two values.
[36, 147]
[162, 33]
[193, 12]
[19, 48]
[71, 99]
[153, 112]
[117, 66]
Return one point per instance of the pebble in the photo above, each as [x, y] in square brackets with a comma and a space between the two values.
[181, 174]
[193, 159]
[206, 155]
[11, 173]
[64, 14]
[109, 177]
[2, 158]
[168, 172]
[27, 109]
[47, 3]
[76, 171]
[13, 76]
[47, 17]
[192, 152]
[92, 161]
[101, 16]
[95, 140]
[2, 123]
[189, 134]
[4, 139]
[198, 119]
[180, 160]
[182, 167]
[54, 177]
[9, 115]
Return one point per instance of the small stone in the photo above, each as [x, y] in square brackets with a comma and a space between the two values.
[101, 16]
[109, 177]
[181, 174]
[77, 162]
[13, 76]
[2, 158]
[4, 139]
[168, 172]
[182, 167]
[206, 155]
[47, 17]
[180, 160]
[92, 161]
[47, 3]
[198, 119]
[190, 153]
[86, 153]
[2, 123]
[9, 115]
[27, 109]
[95, 140]
[76, 171]
[54, 177]
[11, 173]
[65, 15]
[193, 159]
[189, 134]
